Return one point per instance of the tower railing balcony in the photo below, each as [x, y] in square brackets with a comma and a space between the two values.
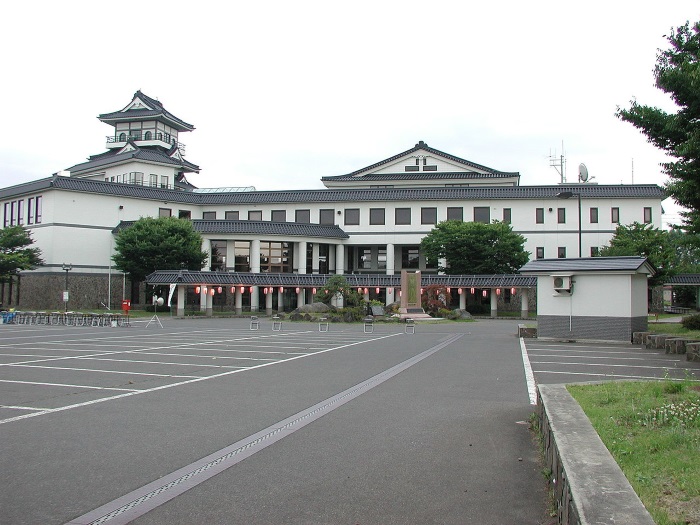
[141, 137]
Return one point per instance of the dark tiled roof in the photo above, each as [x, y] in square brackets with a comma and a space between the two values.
[420, 146]
[592, 191]
[685, 279]
[421, 175]
[161, 277]
[142, 114]
[586, 264]
[140, 153]
[290, 229]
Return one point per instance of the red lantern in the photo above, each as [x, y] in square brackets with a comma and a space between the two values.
[377, 290]
[459, 291]
[211, 291]
[366, 291]
[313, 291]
[399, 293]
[233, 289]
[498, 291]
[281, 289]
[298, 289]
[389, 290]
[219, 289]
[472, 291]
[422, 291]
[448, 289]
[512, 291]
[242, 289]
[484, 293]
[205, 289]
[197, 289]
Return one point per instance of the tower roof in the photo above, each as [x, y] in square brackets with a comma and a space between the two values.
[143, 107]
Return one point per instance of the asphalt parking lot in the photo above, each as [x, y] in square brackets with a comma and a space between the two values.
[207, 421]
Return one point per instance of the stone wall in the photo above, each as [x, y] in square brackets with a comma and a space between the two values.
[591, 328]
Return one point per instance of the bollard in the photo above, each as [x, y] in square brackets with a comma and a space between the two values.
[254, 322]
[369, 325]
[323, 324]
[276, 323]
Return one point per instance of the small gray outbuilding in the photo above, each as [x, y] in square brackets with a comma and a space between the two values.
[591, 298]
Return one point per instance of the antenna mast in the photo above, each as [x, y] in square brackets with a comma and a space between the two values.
[558, 163]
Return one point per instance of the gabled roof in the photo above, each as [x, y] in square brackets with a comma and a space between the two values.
[421, 146]
[590, 264]
[593, 191]
[143, 107]
[288, 229]
[147, 154]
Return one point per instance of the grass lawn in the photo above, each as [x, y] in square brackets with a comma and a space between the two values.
[673, 328]
[653, 431]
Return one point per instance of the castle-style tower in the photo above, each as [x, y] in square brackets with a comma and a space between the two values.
[144, 149]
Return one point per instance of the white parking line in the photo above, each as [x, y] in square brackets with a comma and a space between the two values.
[156, 362]
[529, 376]
[172, 385]
[100, 371]
[69, 386]
[23, 408]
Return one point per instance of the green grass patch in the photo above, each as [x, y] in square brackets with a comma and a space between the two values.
[673, 328]
[652, 429]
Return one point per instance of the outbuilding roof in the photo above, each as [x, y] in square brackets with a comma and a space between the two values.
[163, 277]
[589, 264]
[684, 279]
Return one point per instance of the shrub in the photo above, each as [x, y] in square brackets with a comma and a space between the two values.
[691, 322]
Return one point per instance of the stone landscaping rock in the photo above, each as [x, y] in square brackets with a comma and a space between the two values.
[692, 351]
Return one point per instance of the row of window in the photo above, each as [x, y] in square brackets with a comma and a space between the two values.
[402, 216]
[561, 252]
[137, 177]
[377, 216]
[15, 212]
[592, 215]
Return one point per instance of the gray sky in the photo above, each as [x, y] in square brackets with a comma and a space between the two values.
[284, 93]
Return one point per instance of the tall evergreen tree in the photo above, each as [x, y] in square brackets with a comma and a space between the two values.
[15, 252]
[677, 73]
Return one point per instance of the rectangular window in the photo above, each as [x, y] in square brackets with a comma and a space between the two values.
[506, 215]
[30, 210]
[302, 216]
[381, 259]
[7, 214]
[153, 180]
[482, 214]
[279, 215]
[255, 215]
[163, 181]
[38, 210]
[561, 215]
[539, 215]
[428, 215]
[165, 212]
[594, 215]
[561, 252]
[409, 257]
[455, 214]
[647, 215]
[326, 217]
[539, 252]
[20, 212]
[429, 168]
[352, 216]
[209, 215]
[13, 216]
[217, 259]
[412, 168]
[376, 216]
[184, 214]
[231, 215]
[364, 258]
[241, 256]
[615, 215]
[402, 216]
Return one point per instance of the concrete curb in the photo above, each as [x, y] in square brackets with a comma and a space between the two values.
[589, 487]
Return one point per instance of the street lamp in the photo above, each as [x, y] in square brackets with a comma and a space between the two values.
[568, 195]
[66, 268]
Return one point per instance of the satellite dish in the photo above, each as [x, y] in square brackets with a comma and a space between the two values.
[582, 173]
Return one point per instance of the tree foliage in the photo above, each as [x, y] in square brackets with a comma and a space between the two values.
[15, 253]
[677, 73]
[338, 285]
[475, 248]
[165, 243]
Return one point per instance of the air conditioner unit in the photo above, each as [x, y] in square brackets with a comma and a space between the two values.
[562, 283]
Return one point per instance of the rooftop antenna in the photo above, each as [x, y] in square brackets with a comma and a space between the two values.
[582, 173]
[558, 163]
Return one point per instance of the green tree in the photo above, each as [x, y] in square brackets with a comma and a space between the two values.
[338, 285]
[15, 253]
[165, 243]
[677, 73]
[475, 248]
[646, 241]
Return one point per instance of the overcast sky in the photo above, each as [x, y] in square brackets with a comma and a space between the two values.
[284, 93]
